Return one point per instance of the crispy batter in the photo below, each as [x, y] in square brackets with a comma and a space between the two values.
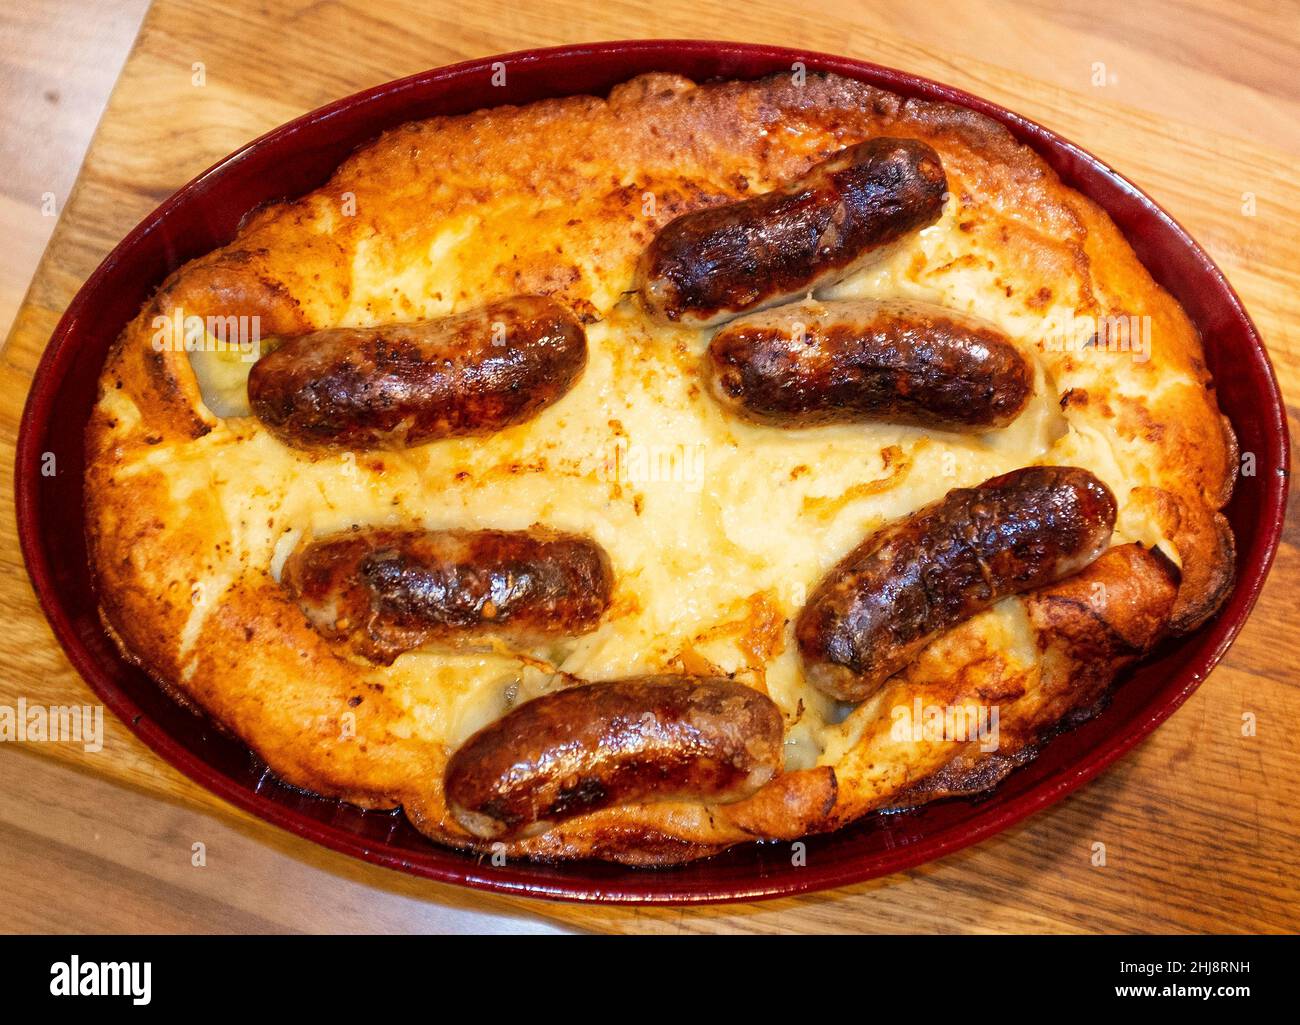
[560, 198]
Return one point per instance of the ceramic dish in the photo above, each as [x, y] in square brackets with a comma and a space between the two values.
[301, 155]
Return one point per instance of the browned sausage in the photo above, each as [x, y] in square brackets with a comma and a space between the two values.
[893, 360]
[912, 580]
[652, 738]
[406, 384]
[381, 592]
[708, 265]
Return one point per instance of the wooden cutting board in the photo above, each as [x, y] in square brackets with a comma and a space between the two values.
[1201, 824]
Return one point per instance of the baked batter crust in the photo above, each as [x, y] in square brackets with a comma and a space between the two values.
[190, 514]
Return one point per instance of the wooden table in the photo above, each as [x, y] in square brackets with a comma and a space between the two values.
[1195, 101]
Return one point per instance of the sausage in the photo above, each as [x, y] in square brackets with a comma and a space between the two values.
[912, 580]
[902, 362]
[706, 266]
[650, 738]
[381, 592]
[402, 385]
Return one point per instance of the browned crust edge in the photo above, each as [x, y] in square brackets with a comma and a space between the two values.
[246, 275]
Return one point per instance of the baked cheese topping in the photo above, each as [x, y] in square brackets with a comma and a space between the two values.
[717, 529]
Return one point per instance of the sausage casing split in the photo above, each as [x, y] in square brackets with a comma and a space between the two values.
[860, 360]
[402, 385]
[912, 580]
[708, 265]
[381, 592]
[577, 750]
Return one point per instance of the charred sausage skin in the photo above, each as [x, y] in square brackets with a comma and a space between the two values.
[709, 265]
[380, 592]
[912, 580]
[402, 385]
[896, 361]
[577, 750]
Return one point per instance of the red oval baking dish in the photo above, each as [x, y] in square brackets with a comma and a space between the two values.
[300, 156]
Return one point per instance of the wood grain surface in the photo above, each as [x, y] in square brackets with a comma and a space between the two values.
[1196, 101]
[58, 61]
